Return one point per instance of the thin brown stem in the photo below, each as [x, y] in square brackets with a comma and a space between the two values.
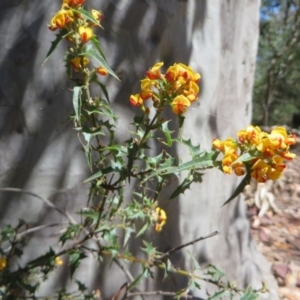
[166, 254]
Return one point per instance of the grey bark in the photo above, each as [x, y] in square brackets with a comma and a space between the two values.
[40, 153]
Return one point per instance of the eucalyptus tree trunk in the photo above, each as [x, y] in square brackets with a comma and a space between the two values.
[40, 153]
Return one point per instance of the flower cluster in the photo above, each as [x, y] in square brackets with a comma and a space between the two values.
[79, 30]
[266, 152]
[177, 87]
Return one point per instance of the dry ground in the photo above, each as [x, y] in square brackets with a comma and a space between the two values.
[275, 219]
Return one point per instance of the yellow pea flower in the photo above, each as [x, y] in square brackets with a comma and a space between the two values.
[260, 171]
[146, 88]
[227, 161]
[179, 104]
[227, 146]
[62, 18]
[192, 92]
[288, 155]
[97, 14]
[250, 135]
[101, 71]
[58, 261]
[85, 33]
[161, 219]
[154, 72]
[74, 3]
[136, 100]
[195, 77]
[79, 62]
[280, 138]
[3, 263]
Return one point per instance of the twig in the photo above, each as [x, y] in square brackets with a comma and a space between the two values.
[127, 273]
[129, 295]
[31, 230]
[46, 201]
[187, 244]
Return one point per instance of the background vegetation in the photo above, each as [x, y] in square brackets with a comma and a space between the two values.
[276, 90]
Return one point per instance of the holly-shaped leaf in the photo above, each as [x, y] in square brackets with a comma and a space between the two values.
[239, 189]
[90, 51]
[61, 35]
[181, 188]
[249, 294]
[167, 133]
[194, 150]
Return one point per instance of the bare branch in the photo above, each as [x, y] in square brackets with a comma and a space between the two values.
[188, 244]
[46, 201]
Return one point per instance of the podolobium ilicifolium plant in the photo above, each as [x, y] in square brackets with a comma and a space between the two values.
[109, 222]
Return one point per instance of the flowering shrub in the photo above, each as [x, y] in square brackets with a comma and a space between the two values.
[260, 154]
[177, 88]
[109, 215]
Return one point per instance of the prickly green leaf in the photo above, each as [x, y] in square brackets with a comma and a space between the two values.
[88, 155]
[132, 151]
[154, 161]
[193, 284]
[91, 215]
[195, 262]
[87, 15]
[167, 268]
[100, 59]
[81, 286]
[138, 120]
[244, 157]
[167, 133]
[77, 103]
[194, 150]
[215, 273]
[96, 43]
[94, 78]
[207, 160]
[137, 280]
[117, 168]
[61, 35]
[43, 259]
[169, 161]
[150, 250]
[249, 294]
[72, 229]
[7, 232]
[118, 150]
[128, 232]
[75, 257]
[186, 183]
[239, 189]
[221, 295]
[143, 229]
[180, 120]
[197, 177]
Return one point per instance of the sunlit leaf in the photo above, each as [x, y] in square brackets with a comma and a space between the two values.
[239, 189]
[61, 35]
[167, 133]
[75, 257]
[77, 103]
[215, 273]
[186, 183]
[90, 51]
[87, 15]
[221, 295]
[249, 294]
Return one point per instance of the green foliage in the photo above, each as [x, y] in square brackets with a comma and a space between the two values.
[109, 219]
[276, 90]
